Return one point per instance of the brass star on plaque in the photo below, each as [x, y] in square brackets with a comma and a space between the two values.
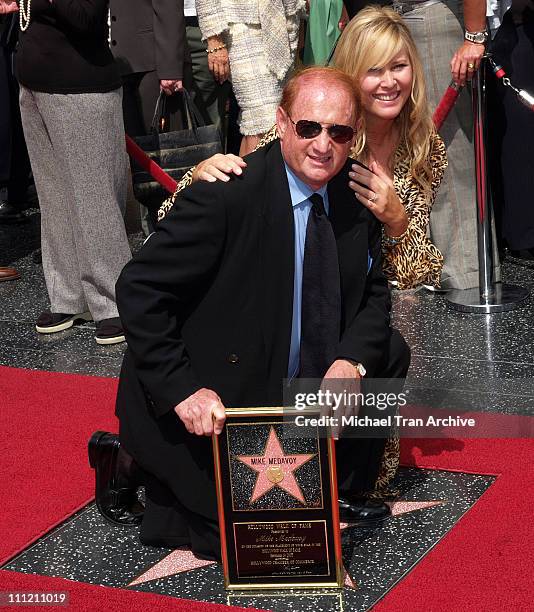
[275, 469]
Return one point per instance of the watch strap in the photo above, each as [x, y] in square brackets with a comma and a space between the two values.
[476, 37]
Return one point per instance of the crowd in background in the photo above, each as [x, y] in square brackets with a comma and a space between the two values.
[63, 113]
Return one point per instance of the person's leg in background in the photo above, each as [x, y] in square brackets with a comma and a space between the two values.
[16, 172]
[513, 47]
[140, 94]
[60, 263]
[80, 171]
[90, 148]
[438, 31]
[6, 273]
[5, 127]
[19, 175]
[209, 96]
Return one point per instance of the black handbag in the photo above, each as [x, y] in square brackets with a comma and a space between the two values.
[176, 152]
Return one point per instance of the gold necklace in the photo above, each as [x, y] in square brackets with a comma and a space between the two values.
[24, 14]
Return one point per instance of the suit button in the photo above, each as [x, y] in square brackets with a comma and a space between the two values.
[113, 42]
[113, 18]
[233, 358]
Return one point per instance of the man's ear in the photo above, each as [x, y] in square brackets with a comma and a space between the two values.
[281, 122]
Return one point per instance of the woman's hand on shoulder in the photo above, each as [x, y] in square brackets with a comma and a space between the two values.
[7, 7]
[219, 167]
[374, 188]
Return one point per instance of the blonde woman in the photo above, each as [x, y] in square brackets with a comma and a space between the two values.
[396, 140]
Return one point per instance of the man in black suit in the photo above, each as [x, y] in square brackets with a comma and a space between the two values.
[149, 43]
[211, 310]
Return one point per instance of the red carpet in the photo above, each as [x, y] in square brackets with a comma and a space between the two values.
[88, 598]
[485, 562]
[46, 420]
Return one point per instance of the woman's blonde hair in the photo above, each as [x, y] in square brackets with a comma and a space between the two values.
[371, 39]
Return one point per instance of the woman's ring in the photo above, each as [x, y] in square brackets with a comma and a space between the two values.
[471, 66]
[373, 199]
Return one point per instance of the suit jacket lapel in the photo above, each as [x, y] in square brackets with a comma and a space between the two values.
[277, 266]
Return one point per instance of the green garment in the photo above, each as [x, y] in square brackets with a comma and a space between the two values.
[323, 30]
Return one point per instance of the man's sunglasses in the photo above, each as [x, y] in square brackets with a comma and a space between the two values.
[311, 129]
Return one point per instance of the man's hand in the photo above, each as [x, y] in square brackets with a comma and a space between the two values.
[342, 379]
[170, 86]
[6, 7]
[218, 167]
[202, 413]
[466, 61]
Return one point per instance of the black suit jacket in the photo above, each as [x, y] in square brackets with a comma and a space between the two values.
[207, 302]
[148, 35]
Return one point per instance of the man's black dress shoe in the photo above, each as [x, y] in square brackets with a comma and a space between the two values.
[116, 480]
[362, 512]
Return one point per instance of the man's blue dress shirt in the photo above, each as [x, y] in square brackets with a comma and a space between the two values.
[300, 192]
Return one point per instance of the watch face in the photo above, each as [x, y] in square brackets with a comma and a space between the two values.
[478, 37]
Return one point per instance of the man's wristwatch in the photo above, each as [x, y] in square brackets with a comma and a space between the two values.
[479, 38]
[359, 368]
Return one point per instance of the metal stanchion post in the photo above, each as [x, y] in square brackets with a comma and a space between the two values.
[489, 296]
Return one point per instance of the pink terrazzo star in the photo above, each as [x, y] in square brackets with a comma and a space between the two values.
[180, 560]
[400, 507]
[183, 560]
[275, 469]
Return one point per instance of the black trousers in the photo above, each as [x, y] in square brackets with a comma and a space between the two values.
[358, 459]
[181, 503]
[14, 161]
[511, 133]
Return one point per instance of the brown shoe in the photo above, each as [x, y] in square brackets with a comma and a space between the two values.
[7, 274]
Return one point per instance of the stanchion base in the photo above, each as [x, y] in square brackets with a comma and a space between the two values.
[501, 297]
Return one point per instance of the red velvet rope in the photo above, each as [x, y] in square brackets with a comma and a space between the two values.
[150, 166]
[445, 105]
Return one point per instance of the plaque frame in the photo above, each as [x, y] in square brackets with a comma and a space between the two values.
[327, 511]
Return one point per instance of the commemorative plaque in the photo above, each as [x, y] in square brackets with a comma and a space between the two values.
[277, 501]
